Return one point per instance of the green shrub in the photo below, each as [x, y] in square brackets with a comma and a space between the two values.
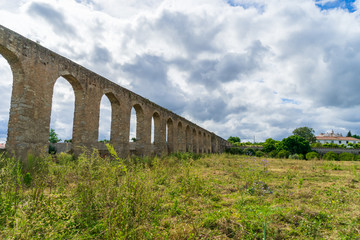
[259, 153]
[249, 151]
[316, 145]
[64, 158]
[294, 156]
[52, 149]
[345, 156]
[272, 154]
[234, 150]
[283, 154]
[312, 155]
[331, 156]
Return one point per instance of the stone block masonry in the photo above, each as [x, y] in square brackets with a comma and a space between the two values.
[35, 70]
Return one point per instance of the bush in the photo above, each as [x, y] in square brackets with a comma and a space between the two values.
[52, 149]
[316, 145]
[331, 156]
[294, 156]
[283, 154]
[272, 154]
[259, 153]
[234, 150]
[249, 151]
[294, 144]
[312, 155]
[345, 156]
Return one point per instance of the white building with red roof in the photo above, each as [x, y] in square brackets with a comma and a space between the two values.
[335, 138]
[2, 145]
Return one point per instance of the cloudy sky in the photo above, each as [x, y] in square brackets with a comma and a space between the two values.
[247, 68]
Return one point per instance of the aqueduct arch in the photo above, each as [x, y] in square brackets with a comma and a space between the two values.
[35, 70]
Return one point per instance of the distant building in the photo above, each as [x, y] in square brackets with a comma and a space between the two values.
[336, 138]
[2, 145]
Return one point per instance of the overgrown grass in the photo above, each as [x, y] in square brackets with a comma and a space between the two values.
[182, 196]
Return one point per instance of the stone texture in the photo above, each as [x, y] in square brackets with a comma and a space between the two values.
[35, 70]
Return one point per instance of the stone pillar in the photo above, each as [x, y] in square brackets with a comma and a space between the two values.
[171, 136]
[86, 120]
[195, 142]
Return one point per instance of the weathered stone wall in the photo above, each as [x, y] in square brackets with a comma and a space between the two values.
[35, 70]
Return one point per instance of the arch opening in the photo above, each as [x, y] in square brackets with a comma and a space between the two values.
[105, 120]
[136, 124]
[155, 128]
[133, 120]
[180, 137]
[62, 110]
[6, 83]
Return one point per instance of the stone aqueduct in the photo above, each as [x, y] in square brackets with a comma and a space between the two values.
[35, 70]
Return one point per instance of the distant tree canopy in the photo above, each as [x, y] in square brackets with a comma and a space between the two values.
[349, 134]
[306, 133]
[232, 139]
[270, 145]
[356, 136]
[294, 144]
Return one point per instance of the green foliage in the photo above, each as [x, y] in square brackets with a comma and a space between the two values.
[53, 137]
[330, 145]
[259, 153]
[316, 145]
[27, 179]
[296, 156]
[249, 151]
[232, 139]
[331, 156]
[52, 149]
[269, 145]
[283, 154]
[234, 150]
[356, 136]
[175, 197]
[294, 144]
[115, 156]
[349, 134]
[356, 146]
[133, 139]
[306, 133]
[312, 156]
[345, 156]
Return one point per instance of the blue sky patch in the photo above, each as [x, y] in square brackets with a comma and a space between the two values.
[246, 5]
[288, 100]
[343, 4]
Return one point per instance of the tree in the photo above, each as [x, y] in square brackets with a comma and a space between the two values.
[305, 132]
[349, 134]
[356, 136]
[269, 145]
[294, 144]
[234, 139]
[53, 137]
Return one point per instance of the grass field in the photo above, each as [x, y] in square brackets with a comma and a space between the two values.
[182, 196]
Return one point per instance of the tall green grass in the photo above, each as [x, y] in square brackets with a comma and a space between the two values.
[182, 196]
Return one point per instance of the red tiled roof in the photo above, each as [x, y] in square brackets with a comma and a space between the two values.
[337, 138]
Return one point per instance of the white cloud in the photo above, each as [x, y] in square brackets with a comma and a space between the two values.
[248, 68]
